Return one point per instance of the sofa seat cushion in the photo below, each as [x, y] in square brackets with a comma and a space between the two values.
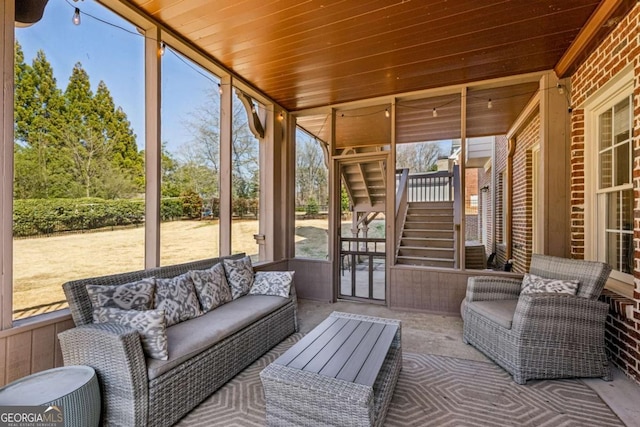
[498, 311]
[191, 337]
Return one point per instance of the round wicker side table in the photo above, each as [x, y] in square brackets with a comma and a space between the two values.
[75, 389]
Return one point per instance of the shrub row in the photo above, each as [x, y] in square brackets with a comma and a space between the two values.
[47, 216]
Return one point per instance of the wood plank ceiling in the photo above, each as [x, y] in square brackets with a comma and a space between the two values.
[313, 53]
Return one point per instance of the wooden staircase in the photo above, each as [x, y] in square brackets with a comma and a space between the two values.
[428, 235]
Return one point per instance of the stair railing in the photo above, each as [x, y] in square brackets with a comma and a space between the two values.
[430, 187]
[402, 180]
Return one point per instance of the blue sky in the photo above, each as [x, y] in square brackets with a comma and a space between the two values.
[115, 56]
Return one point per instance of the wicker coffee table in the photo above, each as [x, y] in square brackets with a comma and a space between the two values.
[342, 373]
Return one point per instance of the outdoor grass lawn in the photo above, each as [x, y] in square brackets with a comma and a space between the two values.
[41, 265]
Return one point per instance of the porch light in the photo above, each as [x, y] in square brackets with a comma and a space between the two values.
[435, 113]
[489, 104]
[163, 47]
[76, 17]
[386, 113]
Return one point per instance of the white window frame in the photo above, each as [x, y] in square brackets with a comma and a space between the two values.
[616, 90]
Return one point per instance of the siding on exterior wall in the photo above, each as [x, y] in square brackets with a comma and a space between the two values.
[619, 50]
[28, 349]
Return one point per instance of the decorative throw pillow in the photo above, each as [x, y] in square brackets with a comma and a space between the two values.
[276, 283]
[130, 296]
[211, 287]
[239, 275]
[532, 284]
[177, 297]
[150, 324]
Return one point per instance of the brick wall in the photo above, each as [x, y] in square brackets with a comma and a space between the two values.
[500, 163]
[620, 49]
[522, 202]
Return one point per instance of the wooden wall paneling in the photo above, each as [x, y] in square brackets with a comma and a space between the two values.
[274, 266]
[430, 290]
[3, 361]
[18, 358]
[313, 279]
[43, 348]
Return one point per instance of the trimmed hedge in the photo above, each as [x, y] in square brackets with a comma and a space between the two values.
[33, 217]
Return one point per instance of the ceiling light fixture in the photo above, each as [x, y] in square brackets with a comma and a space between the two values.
[76, 17]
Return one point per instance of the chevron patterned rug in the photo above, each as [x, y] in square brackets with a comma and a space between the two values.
[431, 391]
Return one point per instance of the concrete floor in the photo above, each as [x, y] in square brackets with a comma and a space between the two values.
[442, 335]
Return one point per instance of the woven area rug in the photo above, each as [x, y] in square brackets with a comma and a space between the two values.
[431, 391]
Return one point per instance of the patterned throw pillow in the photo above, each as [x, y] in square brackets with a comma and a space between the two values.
[239, 275]
[211, 287]
[532, 284]
[150, 324]
[177, 297]
[276, 283]
[130, 296]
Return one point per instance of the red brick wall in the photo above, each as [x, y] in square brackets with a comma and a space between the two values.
[522, 201]
[618, 50]
[500, 163]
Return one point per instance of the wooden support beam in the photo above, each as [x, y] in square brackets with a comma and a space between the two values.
[366, 184]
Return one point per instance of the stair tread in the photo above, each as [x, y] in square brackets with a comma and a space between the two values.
[426, 248]
[420, 258]
[437, 239]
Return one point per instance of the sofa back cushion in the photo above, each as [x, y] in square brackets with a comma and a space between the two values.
[150, 324]
[239, 275]
[276, 283]
[211, 287]
[78, 297]
[177, 297]
[128, 296]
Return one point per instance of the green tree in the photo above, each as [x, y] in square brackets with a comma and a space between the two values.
[106, 162]
[41, 162]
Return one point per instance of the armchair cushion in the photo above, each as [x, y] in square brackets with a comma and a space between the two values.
[498, 311]
[532, 284]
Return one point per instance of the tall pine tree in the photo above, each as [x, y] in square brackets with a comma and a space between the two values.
[41, 166]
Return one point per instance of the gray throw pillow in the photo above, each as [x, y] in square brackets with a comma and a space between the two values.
[239, 275]
[276, 283]
[211, 287]
[532, 284]
[129, 296]
[150, 324]
[177, 297]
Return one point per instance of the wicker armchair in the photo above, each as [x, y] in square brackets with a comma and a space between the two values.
[545, 335]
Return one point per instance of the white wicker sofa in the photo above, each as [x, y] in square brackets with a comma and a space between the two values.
[203, 353]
